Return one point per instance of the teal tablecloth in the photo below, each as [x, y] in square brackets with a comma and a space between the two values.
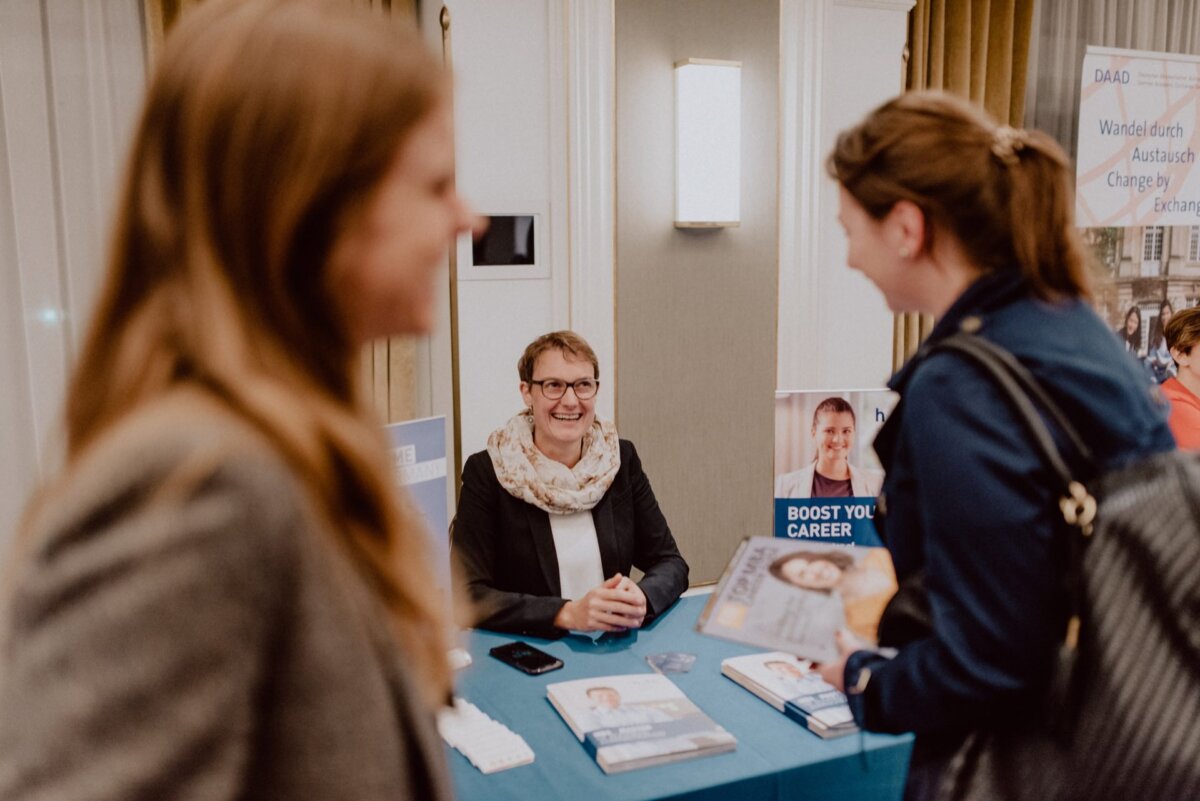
[775, 757]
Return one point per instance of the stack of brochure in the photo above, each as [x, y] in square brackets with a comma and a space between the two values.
[487, 743]
[635, 721]
[789, 684]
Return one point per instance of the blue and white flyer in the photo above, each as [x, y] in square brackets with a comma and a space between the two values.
[419, 454]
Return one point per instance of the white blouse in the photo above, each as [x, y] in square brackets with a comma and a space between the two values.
[578, 551]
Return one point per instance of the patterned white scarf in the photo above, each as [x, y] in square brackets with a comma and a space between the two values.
[533, 477]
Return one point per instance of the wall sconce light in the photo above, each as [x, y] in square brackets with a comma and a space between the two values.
[708, 138]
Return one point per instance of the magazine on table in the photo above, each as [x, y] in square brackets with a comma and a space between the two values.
[795, 595]
[635, 721]
[789, 684]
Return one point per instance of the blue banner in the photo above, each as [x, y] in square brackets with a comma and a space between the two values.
[834, 521]
[419, 454]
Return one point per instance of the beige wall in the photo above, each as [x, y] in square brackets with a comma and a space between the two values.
[696, 309]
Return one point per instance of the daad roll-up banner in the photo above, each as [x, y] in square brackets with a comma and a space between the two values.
[1139, 135]
[827, 477]
[419, 456]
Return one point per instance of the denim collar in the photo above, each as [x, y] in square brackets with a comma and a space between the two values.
[989, 292]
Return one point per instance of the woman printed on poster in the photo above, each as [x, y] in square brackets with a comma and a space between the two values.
[1131, 333]
[830, 475]
[1162, 366]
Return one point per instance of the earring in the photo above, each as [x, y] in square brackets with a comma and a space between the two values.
[904, 252]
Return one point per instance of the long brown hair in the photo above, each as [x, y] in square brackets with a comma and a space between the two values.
[1004, 194]
[267, 126]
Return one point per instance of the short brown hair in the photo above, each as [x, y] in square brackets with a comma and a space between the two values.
[1004, 195]
[1184, 330]
[567, 341]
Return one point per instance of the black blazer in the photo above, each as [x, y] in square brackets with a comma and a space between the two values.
[504, 550]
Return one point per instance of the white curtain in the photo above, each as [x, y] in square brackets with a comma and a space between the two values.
[71, 80]
[1064, 28]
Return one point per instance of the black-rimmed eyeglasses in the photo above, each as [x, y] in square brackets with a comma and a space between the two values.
[555, 388]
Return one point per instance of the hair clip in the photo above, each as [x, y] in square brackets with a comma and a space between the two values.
[1007, 142]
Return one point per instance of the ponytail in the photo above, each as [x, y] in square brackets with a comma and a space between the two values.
[1046, 247]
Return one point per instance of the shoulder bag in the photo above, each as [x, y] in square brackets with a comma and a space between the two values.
[1122, 717]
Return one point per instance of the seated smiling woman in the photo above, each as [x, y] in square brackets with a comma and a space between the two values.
[556, 511]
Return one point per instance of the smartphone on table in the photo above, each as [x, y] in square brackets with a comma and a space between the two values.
[525, 658]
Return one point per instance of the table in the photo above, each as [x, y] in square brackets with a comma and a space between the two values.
[776, 758]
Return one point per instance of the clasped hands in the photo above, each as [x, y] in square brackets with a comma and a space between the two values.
[616, 605]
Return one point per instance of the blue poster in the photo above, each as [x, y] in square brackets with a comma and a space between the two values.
[834, 521]
[419, 454]
[827, 476]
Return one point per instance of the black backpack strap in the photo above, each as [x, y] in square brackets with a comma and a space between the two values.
[1077, 505]
[1020, 386]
